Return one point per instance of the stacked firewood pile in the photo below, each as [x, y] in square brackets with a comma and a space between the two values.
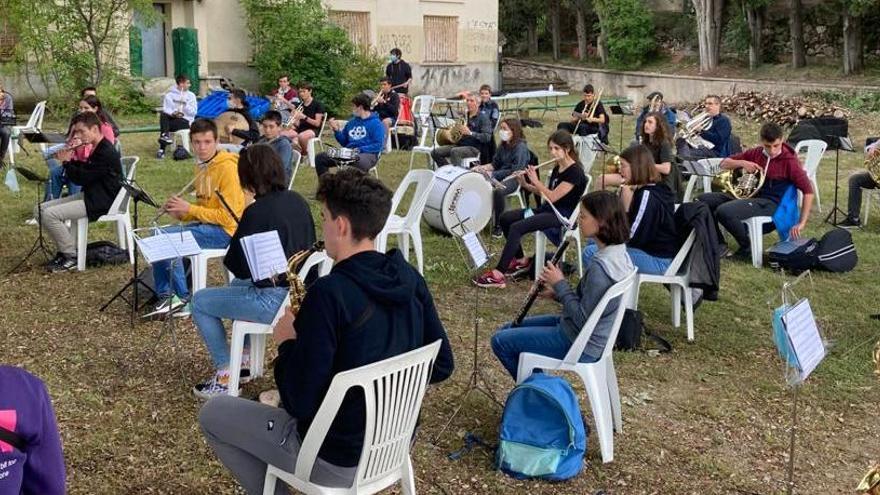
[783, 110]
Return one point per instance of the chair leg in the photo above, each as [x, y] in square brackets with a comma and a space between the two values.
[676, 305]
[595, 382]
[412, 157]
[129, 240]
[236, 349]
[540, 252]
[614, 396]
[417, 247]
[816, 193]
[407, 478]
[82, 239]
[867, 194]
[258, 353]
[580, 259]
[269, 483]
[689, 312]
[403, 243]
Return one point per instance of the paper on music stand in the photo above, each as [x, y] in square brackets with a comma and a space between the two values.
[11, 180]
[264, 254]
[167, 246]
[475, 249]
[803, 335]
[703, 168]
[564, 221]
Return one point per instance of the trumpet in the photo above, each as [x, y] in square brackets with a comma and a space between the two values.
[291, 120]
[376, 99]
[592, 112]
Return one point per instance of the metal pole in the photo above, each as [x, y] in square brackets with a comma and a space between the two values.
[790, 482]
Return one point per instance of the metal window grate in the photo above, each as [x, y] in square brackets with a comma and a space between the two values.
[356, 24]
[441, 38]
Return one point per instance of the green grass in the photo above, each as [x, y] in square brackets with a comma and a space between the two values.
[711, 417]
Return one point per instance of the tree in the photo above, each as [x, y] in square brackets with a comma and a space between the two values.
[798, 51]
[553, 8]
[627, 30]
[853, 46]
[520, 23]
[754, 12]
[709, 23]
[580, 8]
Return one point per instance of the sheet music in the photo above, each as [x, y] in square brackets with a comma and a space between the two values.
[564, 221]
[475, 249]
[786, 247]
[162, 246]
[264, 254]
[803, 334]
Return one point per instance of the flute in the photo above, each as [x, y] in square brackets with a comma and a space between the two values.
[226, 205]
[520, 173]
[182, 191]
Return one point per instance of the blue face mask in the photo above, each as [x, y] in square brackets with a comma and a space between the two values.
[393, 58]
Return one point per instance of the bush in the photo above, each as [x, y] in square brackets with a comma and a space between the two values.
[306, 46]
[629, 28]
[858, 101]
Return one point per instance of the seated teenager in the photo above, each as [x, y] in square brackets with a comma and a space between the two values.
[209, 221]
[387, 103]
[657, 137]
[363, 132]
[603, 220]
[372, 306]
[858, 181]
[488, 107]
[271, 124]
[565, 187]
[275, 208]
[476, 135]
[660, 107]
[57, 178]
[36, 465]
[782, 169]
[307, 122]
[179, 108]
[100, 178]
[7, 110]
[92, 91]
[237, 102]
[719, 134]
[581, 120]
[650, 207]
[511, 156]
[284, 98]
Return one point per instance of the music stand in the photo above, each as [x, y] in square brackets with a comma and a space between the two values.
[600, 147]
[40, 242]
[138, 195]
[839, 143]
[39, 137]
[619, 109]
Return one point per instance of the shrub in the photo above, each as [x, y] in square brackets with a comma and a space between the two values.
[629, 28]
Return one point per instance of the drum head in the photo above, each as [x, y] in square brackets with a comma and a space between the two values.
[459, 195]
[235, 121]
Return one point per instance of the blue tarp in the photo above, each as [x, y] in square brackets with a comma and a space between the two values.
[215, 103]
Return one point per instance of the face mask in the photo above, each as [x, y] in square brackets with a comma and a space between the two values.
[393, 58]
[504, 135]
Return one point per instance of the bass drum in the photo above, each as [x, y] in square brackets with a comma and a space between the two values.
[458, 190]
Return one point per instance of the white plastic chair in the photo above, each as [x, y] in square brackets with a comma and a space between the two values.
[199, 267]
[181, 137]
[315, 142]
[469, 162]
[393, 391]
[705, 181]
[259, 331]
[585, 146]
[815, 149]
[422, 115]
[677, 277]
[575, 234]
[34, 124]
[392, 131]
[295, 159]
[756, 237]
[408, 226]
[118, 213]
[600, 379]
[867, 194]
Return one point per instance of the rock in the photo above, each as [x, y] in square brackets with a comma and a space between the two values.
[157, 87]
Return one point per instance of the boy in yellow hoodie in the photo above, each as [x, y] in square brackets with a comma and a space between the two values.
[210, 222]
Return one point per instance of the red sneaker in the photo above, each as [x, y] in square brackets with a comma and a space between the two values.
[517, 265]
[490, 280]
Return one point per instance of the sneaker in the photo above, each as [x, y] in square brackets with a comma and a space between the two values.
[53, 261]
[165, 139]
[161, 153]
[64, 263]
[489, 280]
[215, 386]
[849, 223]
[496, 232]
[30, 221]
[167, 305]
[183, 311]
[518, 264]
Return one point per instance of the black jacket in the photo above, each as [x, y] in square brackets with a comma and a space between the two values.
[707, 249]
[284, 211]
[253, 132]
[652, 226]
[371, 307]
[100, 176]
[390, 108]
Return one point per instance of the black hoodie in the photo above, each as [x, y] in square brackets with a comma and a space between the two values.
[651, 220]
[372, 306]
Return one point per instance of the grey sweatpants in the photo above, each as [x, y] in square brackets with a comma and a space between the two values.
[857, 182]
[453, 155]
[246, 435]
[55, 213]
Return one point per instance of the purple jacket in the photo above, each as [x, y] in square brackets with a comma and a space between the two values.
[25, 409]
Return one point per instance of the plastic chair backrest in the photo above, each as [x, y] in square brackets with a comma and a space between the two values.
[683, 253]
[319, 259]
[295, 159]
[617, 290]
[585, 149]
[422, 105]
[35, 121]
[393, 393]
[123, 197]
[423, 179]
[815, 148]
[128, 162]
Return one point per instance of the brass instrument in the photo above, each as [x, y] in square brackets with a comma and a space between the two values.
[612, 165]
[690, 131]
[230, 119]
[297, 289]
[872, 164]
[592, 111]
[741, 184]
[376, 99]
[655, 105]
[453, 134]
[290, 121]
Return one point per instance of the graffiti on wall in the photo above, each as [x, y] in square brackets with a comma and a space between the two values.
[387, 41]
[434, 78]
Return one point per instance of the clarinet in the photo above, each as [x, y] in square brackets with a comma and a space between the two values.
[537, 286]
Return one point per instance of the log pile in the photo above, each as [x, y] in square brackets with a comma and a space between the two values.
[783, 110]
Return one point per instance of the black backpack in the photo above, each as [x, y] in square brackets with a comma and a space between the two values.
[801, 259]
[105, 253]
[836, 252]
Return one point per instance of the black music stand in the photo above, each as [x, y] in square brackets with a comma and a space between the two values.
[838, 143]
[138, 195]
[618, 109]
[39, 243]
[39, 137]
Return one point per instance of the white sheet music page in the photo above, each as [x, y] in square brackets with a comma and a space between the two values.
[168, 246]
[475, 249]
[800, 325]
[264, 254]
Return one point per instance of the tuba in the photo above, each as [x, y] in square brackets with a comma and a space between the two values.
[451, 135]
[297, 289]
[872, 164]
[690, 131]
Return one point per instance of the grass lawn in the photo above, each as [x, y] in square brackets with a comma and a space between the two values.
[711, 417]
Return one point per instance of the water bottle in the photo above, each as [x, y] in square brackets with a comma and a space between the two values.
[550, 88]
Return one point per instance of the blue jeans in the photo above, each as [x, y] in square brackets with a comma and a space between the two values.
[644, 262]
[57, 181]
[239, 301]
[539, 334]
[208, 236]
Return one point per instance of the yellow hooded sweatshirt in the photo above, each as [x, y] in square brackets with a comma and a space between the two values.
[221, 173]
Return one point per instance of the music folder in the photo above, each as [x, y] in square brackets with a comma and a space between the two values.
[703, 168]
[39, 137]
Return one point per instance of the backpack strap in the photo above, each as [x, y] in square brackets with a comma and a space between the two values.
[663, 344]
[12, 438]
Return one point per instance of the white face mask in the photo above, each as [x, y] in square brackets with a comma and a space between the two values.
[505, 135]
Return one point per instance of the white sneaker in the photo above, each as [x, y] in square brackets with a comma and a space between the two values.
[30, 221]
[167, 305]
[216, 386]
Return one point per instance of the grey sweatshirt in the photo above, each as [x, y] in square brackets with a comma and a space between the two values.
[610, 265]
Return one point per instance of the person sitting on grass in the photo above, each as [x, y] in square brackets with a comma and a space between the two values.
[601, 218]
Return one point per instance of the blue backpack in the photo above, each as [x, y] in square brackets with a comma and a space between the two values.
[542, 430]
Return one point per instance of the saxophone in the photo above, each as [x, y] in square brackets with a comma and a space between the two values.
[297, 289]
